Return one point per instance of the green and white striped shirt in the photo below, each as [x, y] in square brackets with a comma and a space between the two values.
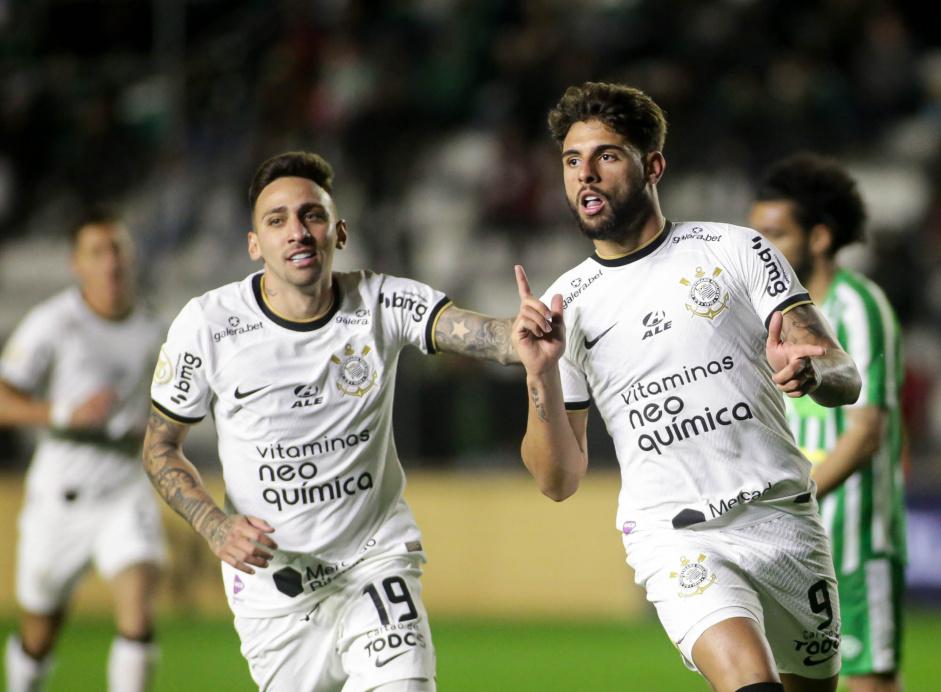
[865, 516]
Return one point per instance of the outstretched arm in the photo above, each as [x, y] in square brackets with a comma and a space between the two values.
[475, 335]
[18, 408]
[554, 445]
[807, 359]
[238, 540]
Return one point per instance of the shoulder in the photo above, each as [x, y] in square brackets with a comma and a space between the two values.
[54, 313]
[231, 296]
[860, 298]
[576, 283]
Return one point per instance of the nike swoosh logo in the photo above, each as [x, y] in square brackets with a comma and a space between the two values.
[383, 661]
[590, 343]
[242, 395]
[808, 661]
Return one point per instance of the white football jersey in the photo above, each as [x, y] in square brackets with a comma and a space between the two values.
[64, 352]
[669, 343]
[303, 412]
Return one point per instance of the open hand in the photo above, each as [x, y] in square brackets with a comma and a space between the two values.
[794, 371]
[538, 331]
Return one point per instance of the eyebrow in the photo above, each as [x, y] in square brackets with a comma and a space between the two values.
[283, 209]
[600, 147]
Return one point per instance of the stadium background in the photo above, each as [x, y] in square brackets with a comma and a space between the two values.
[433, 114]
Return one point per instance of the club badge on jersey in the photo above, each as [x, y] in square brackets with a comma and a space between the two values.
[355, 375]
[706, 294]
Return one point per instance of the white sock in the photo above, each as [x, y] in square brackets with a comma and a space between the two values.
[130, 664]
[24, 673]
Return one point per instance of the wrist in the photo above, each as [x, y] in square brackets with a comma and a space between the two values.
[60, 415]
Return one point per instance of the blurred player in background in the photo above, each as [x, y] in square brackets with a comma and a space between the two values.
[676, 332]
[321, 556]
[78, 366]
[809, 207]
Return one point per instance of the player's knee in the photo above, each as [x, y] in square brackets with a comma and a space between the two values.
[762, 687]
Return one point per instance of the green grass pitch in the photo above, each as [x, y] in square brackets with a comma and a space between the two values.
[473, 656]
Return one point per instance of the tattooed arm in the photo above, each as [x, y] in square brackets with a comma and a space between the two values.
[554, 446]
[807, 359]
[475, 335]
[236, 539]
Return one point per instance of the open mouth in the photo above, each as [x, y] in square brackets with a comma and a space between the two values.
[303, 259]
[592, 203]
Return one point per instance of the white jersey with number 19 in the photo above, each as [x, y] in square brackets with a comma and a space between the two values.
[669, 342]
[303, 413]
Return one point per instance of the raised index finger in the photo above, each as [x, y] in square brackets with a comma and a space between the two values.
[522, 283]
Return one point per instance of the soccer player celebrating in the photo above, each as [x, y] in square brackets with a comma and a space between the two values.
[809, 208]
[78, 365]
[684, 335]
[320, 554]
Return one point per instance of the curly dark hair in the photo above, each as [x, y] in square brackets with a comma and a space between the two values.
[821, 191]
[626, 110]
[291, 164]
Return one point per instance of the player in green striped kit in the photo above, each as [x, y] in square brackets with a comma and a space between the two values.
[809, 207]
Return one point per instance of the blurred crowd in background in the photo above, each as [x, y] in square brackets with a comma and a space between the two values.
[433, 114]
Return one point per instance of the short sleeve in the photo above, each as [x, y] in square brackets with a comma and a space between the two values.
[575, 391]
[180, 388]
[29, 352]
[869, 334]
[410, 310]
[770, 281]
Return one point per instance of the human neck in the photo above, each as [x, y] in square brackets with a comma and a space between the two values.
[647, 231]
[818, 284]
[296, 303]
[108, 306]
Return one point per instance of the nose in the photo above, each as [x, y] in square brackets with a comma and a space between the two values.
[299, 231]
[587, 172]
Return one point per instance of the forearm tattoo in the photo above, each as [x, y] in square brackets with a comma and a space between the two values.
[178, 482]
[803, 321]
[538, 404]
[475, 335]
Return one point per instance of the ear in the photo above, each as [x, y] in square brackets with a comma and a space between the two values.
[342, 236]
[820, 240]
[654, 167]
[254, 249]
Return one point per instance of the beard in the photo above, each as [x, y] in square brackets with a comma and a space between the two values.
[623, 218]
[803, 265]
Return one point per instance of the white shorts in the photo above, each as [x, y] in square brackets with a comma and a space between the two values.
[373, 630]
[61, 535]
[776, 570]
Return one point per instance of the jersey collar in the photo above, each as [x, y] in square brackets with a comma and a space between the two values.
[308, 326]
[637, 254]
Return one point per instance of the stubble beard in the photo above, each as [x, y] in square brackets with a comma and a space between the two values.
[622, 219]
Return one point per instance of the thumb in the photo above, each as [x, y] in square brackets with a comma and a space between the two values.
[774, 329]
[556, 309]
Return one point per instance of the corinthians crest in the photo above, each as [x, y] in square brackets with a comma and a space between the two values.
[706, 294]
[356, 376]
[694, 577]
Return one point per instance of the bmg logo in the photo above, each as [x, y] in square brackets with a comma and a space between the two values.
[186, 369]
